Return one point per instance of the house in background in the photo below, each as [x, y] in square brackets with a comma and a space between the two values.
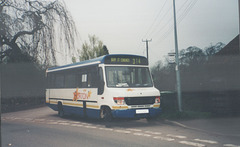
[223, 69]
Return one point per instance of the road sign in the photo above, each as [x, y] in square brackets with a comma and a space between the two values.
[171, 58]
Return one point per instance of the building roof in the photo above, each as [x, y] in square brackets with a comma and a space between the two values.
[232, 48]
[223, 69]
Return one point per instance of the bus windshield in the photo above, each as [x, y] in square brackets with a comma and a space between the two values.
[123, 76]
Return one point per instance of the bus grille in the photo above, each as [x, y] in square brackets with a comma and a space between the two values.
[139, 100]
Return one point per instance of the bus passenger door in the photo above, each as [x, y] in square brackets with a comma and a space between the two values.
[100, 81]
[84, 109]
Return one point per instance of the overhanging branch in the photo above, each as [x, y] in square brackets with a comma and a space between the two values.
[21, 33]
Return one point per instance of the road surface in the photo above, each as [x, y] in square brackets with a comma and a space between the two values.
[41, 127]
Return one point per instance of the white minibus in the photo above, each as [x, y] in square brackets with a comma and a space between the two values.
[111, 86]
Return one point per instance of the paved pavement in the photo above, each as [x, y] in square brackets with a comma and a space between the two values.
[229, 126]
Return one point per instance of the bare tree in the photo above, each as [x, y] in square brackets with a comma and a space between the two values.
[35, 30]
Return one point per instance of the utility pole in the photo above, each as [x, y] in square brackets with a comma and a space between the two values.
[177, 61]
[239, 24]
[1, 72]
[147, 45]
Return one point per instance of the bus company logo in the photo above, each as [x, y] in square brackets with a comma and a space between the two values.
[129, 90]
[81, 96]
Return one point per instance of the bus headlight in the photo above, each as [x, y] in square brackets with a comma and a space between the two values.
[157, 99]
[119, 100]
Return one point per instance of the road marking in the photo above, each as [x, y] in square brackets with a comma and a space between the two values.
[192, 143]
[51, 120]
[11, 118]
[206, 141]
[153, 133]
[176, 136]
[136, 130]
[138, 134]
[28, 119]
[76, 122]
[164, 138]
[64, 123]
[77, 125]
[38, 120]
[142, 134]
[106, 129]
[230, 145]
[86, 124]
[17, 118]
[90, 127]
[123, 131]
[52, 123]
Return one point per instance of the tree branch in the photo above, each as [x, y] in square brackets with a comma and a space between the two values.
[21, 33]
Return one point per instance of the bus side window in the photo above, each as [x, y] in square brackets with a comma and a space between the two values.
[84, 83]
[89, 80]
[52, 80]
[59, 81]
[49, 80]
[79, 80]
[70, 81]
[100, 81]
[93, 77]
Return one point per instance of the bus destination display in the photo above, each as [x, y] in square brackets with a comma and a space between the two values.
[129, 60]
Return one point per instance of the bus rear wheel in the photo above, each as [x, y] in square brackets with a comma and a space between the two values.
[106, 114]
[60, 110]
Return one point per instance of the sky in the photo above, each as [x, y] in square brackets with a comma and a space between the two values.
[122, 25]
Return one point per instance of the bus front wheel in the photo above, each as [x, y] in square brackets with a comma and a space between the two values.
[60, 110]
[106, 114]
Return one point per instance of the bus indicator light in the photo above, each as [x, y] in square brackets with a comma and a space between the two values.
[157, 99]
[119, 100]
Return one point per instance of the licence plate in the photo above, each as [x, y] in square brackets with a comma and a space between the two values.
[142, 111]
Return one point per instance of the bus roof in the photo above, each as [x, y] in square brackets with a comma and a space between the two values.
[107, 59]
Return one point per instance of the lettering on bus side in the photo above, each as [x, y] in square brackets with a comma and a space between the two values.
[81, 95]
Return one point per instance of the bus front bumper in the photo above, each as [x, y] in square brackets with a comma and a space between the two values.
[136, 113]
